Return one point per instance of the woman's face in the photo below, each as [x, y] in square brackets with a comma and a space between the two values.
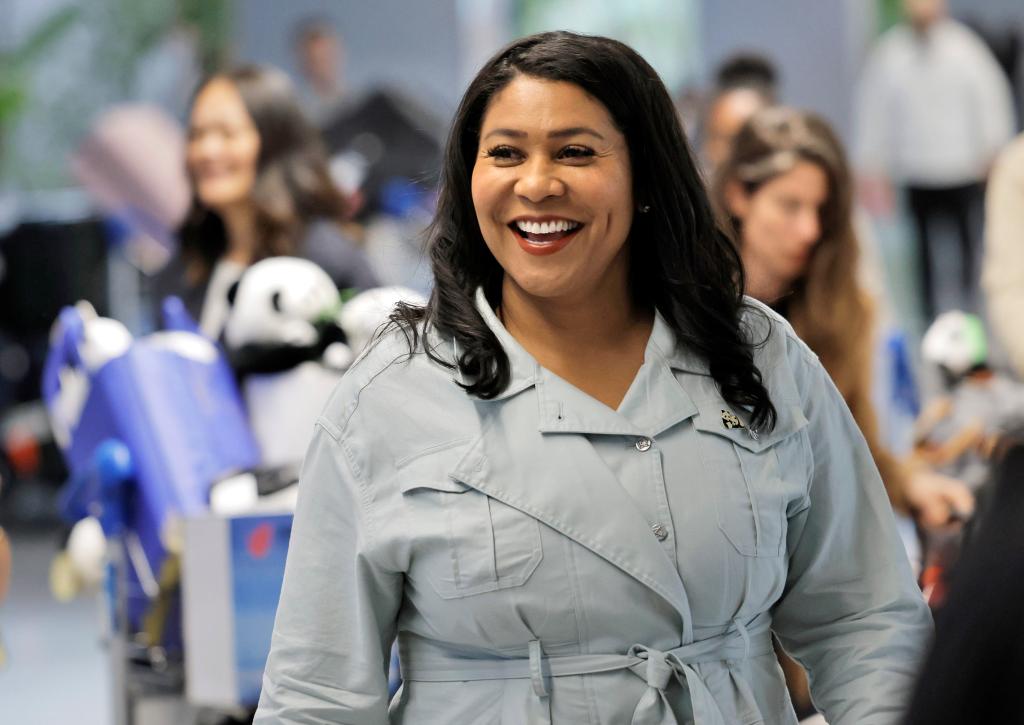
[223, 146]
[552, 188]
[780, 222]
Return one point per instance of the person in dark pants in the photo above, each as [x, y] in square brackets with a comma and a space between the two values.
[933, 110]
[961, 207]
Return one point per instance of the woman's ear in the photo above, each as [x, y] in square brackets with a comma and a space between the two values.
[737, 200]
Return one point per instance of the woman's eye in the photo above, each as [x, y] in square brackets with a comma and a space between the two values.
[503, 153]
[576, 153]
[197, 133]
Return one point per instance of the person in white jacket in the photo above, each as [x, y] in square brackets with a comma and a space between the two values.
[933, 109]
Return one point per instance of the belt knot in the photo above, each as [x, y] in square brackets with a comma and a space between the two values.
[660, 666]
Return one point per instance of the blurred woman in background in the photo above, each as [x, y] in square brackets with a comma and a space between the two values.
[261, 188]
[786, 191]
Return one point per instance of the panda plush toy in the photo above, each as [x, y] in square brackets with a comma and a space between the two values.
[284, 313]
[289, 338]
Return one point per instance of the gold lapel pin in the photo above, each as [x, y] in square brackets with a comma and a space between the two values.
[729, 420]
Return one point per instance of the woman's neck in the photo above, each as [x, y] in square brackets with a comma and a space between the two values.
[240, 225]
[556, 330]
[597, 344]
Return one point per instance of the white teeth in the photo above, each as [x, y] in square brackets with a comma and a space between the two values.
[561, 225]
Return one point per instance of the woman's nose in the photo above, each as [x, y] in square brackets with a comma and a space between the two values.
[538, 181]
[204, 145]
[809, 227]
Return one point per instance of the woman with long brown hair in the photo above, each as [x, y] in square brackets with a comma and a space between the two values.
[786, 191]
[261, 188]
[786, 195]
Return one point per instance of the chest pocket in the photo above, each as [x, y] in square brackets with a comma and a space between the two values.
[752, 488]
[473, 543]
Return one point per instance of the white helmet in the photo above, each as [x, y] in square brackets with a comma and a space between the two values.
[956, 341]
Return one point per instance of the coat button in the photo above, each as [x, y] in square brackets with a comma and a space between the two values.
[660, 532]
[643, 444]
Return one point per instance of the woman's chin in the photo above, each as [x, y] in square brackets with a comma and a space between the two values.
[544, 286]
[221, 200]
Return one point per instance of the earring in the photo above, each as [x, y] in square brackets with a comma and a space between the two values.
[644, 208]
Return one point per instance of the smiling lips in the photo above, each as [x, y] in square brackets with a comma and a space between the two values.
[544, 236]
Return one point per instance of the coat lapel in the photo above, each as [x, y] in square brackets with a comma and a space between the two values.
[533, 454]
[561, 481]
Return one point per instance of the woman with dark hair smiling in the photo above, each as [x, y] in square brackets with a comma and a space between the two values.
[260, 189]
[589, 479]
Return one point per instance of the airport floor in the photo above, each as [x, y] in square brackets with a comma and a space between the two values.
[57, 669]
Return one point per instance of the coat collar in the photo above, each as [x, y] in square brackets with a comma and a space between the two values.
[656, 401]
[525, 370]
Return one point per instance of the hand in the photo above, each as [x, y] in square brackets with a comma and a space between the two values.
[938, 500]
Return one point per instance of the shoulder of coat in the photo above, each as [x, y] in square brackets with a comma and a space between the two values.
[393, 370]
[774, 339]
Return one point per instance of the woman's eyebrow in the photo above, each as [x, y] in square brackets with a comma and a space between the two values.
[575, 131]
[559, 133]
[506, 132]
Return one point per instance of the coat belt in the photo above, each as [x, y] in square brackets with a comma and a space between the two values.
[430, 663]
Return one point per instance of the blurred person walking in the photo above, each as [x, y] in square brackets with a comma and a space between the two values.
[933, 110]
[744, 84]
[320, 53]
[260, 189]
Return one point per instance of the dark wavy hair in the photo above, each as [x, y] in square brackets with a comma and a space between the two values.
[292, 185]
[679, 261]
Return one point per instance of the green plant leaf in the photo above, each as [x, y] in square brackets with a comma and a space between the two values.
[12, 99]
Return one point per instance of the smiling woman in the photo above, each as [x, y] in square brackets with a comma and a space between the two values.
[553, 199]
[589, 480]
[545, 181]
[260, 188]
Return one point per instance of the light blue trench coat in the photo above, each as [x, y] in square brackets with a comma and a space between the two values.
[545, 559]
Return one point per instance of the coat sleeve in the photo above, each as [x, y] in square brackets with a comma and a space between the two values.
[1003, 267]
[336, 617]
[851, 612]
